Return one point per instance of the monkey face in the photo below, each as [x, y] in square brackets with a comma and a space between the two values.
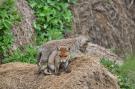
[63, 52]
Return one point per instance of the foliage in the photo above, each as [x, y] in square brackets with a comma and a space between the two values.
[129, 68]
[24, 54]
[110, 65]
[53, 18]
[8, 16]
[129, 64]
[124, 80]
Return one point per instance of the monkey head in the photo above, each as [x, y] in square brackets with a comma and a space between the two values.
[63, 53]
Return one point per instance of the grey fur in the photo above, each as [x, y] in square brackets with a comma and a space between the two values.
[46, 50]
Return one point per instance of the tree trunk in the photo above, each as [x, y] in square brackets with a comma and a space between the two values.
[24, 32]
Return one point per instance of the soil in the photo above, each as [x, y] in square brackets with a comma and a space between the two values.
[87, 73]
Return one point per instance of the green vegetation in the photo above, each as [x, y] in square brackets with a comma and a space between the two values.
[25, 54]
[111, 66]
[128, 68]
[125, 72]
[53, 18]
[8, 17]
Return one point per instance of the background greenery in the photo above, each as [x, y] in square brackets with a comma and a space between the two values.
[25, 54]
[8, 17]
[53, 19]
[125, 73]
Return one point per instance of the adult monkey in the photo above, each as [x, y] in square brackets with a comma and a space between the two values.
[75, 44]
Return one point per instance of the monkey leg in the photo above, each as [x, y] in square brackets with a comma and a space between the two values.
[67, 68]
[52, 69]
[57, 72]
[47, 72]
[57, 68]
[41, 67]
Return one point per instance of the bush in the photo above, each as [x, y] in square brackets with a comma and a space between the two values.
[8, 17]
[53, 18]
[125, 80]
[128, 68]
[25, 54]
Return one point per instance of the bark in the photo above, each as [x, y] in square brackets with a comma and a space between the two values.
[24, 32]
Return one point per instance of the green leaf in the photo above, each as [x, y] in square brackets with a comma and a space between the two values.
[33, 4]
[7, 24]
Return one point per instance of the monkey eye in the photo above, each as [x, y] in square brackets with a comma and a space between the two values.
[63, 55]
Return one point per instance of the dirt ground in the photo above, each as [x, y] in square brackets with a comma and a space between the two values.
[87, 73]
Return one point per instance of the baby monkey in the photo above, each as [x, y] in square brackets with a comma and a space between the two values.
[58, 61]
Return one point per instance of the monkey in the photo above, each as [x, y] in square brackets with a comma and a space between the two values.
[75, 44]
[58, 60]
[63, 59]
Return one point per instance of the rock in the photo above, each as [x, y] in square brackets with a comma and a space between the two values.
[108, 23]
[94, 49]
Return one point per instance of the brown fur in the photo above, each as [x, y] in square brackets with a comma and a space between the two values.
[74, 44]
[58, 60]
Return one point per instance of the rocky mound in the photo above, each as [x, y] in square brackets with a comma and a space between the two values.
[108, 23]
[101, 52]
[87, 73]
